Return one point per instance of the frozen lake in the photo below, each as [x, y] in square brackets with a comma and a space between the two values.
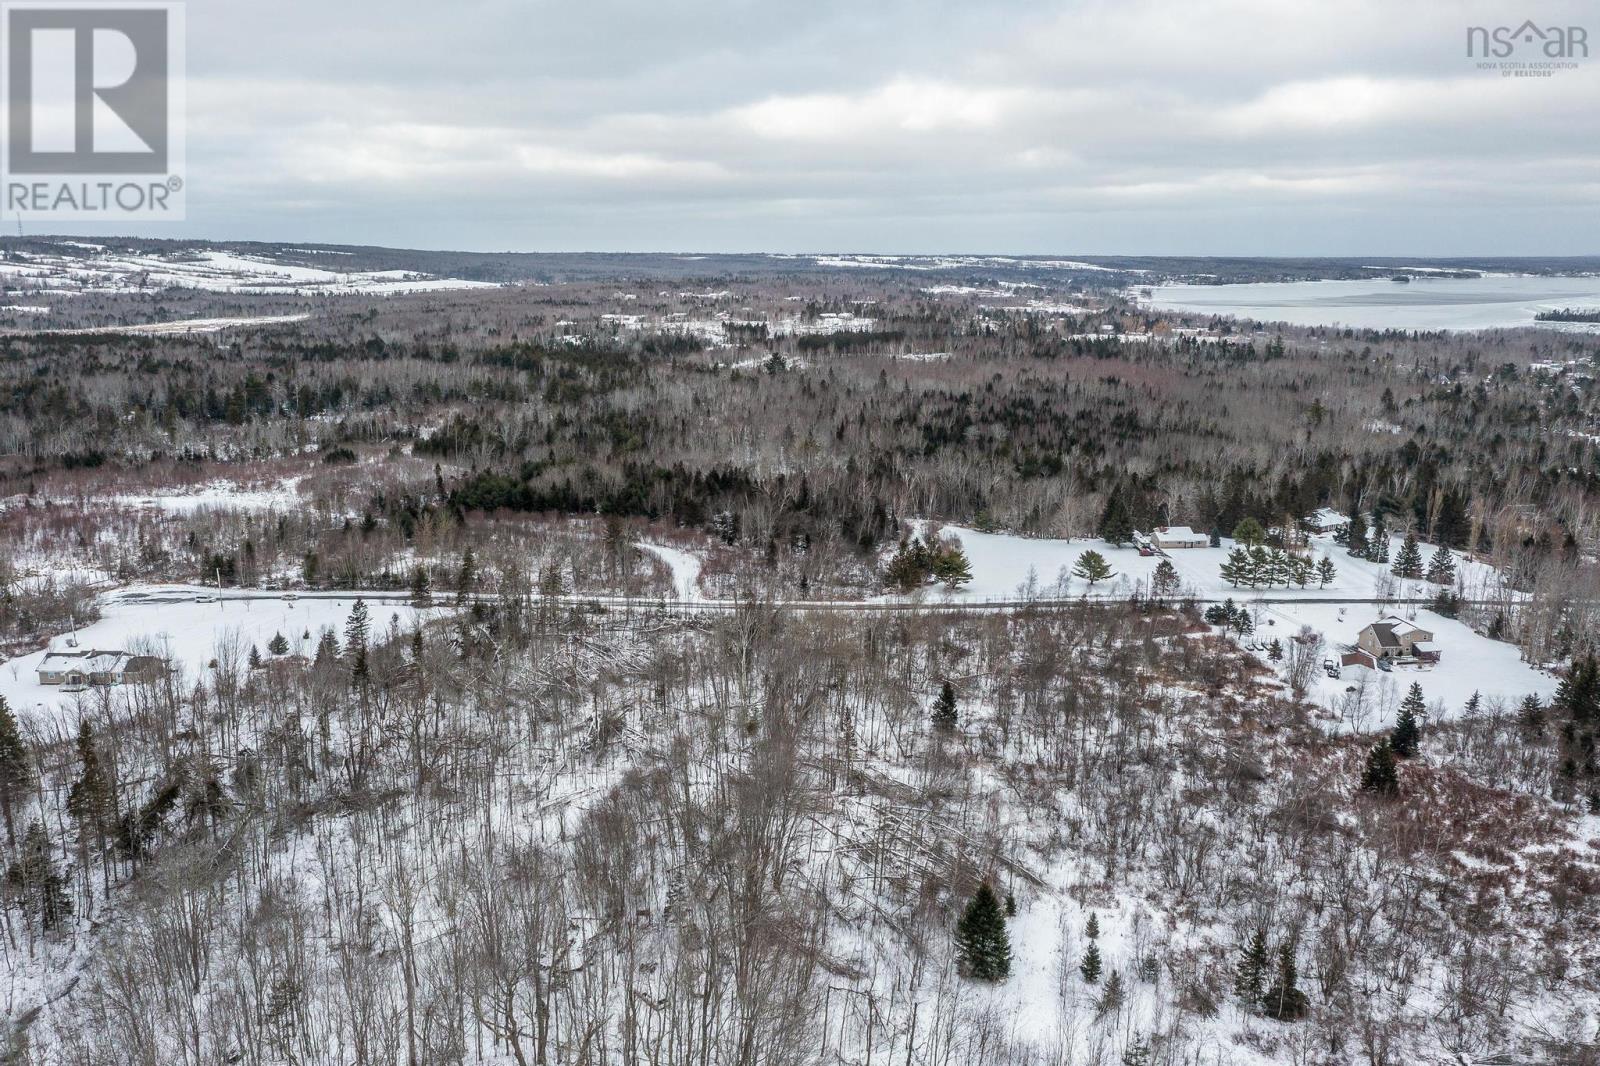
[1426, 303]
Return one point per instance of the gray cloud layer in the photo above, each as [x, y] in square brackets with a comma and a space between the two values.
[1202, 127]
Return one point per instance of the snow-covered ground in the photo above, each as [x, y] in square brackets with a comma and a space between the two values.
[1009, 567]
[214, 271]
[1469, 662]
[190, 634]
[217, 494]
[187, 325]
[685, 567]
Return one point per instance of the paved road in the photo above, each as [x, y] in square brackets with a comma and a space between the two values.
[190, 593]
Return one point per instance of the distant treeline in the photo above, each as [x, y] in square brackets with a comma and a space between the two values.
[1570, 314]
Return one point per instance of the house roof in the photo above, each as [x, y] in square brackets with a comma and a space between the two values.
[93, 662]
[1327, 518]
[1385, 635]
[1404, 628]
[1179, 533]
[1424, 646]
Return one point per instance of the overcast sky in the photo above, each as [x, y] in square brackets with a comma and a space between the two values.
[1331, 127]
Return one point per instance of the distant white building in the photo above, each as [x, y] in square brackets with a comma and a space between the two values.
[78, 668]
[1166, 537]
[1326, 520]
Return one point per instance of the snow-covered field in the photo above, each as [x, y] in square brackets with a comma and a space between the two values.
[1469, 662]
[191, 634]
[217, 494]
[187, 325]
[1009, 567]
[685, 567]
[215, 271]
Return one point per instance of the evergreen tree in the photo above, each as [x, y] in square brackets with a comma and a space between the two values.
[35, 881]
[1090, 966]
[1530, 715]
[1408, 727]
[909, 567]
[421, 589]
[1249, 974]
[982, 944]
[1262, 570]
[1380, 775]
[1378, 543]
[1243, 623]
[468, 574]
[278, 645]
[1111, 999]
[327, 648]
[1284, 1001]
[951, 567]
[1092, 567]
[1301, 569]
[255, 657]
[1011, 905]
[1408, 563]
[1091, 928]
[1165, 581]
[90, 799]
[1249, 532]
[944, 708]
[1236, 570]
[1326, 572]
[1355, 538]
[1137, 1052]
[1442, 567]
[15, 773]
[1275, 650]
[355, 640]
[1116, 523]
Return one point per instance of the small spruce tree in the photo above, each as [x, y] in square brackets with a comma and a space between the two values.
[1249, 975]
[1530, 715]
[1442, 567]
[1408, 727]
[1408, 563]
[1111, 999]
[278, 645]
[1326, 572]
[15, 773]
[944, 707]
[1380, 775]
[1090, 966]
[982, 944]
[36, 883]
[1284, 1001]
[1164, 582]
[1355, 539]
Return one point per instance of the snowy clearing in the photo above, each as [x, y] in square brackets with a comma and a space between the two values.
[191, 634]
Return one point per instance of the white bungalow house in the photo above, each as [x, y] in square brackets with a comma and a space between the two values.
[86, 667]
[1166, 537]
[1326, 520]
